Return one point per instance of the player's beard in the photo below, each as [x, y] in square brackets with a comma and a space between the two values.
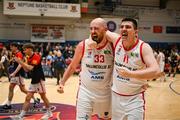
[97, 39]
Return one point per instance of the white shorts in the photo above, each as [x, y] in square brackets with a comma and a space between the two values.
[38, 87]
[89, 104]
[17, 80]
[128, 107]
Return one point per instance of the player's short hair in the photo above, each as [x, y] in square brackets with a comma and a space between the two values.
[28, 45]
[131, 20]
[15, 44]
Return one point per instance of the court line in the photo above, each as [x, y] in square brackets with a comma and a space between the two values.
[15, 90]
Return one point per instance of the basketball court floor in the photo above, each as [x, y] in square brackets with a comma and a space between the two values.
[162, 103]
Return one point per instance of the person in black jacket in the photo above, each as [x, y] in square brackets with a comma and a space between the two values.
[59, 66]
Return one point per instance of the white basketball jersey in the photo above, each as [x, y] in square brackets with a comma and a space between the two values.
[161, 58]
[97, 66]
[132, 60]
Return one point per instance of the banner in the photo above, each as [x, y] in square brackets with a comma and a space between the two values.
[41, 9]
[84, 6]
[157, 29]
[47, 33]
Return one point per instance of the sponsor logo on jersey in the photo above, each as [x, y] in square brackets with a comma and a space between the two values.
[97, 75]
[122, 79]
[99, 66]
[121, 65]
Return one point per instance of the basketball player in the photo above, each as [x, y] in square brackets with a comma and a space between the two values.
[173, 59]
[134, 64]
[16, 76]
[94, 95]
[33, 66]
[161, 62]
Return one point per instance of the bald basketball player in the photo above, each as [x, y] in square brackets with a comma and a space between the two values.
[94, 95]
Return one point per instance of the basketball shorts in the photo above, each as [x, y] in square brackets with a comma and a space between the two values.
[38, 87]
[89, 104]
[18, 80]
[128, 107]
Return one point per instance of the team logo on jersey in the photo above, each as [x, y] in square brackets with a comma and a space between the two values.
[107, 52]
[89, 53]
[132, 54]
[34, 62]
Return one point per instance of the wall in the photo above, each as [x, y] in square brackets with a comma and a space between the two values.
[163, 18]
[18, 28]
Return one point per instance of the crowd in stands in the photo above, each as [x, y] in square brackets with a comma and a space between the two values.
[56, 57]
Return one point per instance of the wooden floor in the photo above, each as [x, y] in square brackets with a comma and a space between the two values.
[161, 102]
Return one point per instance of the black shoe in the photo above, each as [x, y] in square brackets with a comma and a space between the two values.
[7, 106]
[36, 103]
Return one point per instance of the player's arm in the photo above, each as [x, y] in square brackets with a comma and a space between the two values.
[25, 66]
[72, 67]
[158, 59]
[150, 72]
[15, 72]
[112, 36]
[152, 68]
[18, 67]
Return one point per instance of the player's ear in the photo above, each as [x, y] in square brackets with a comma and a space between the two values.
[136, 32]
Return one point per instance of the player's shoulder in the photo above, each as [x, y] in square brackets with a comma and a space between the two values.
[81, 44]
[144, 44]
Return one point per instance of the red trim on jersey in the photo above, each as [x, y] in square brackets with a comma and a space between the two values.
[124, 58]
[83, 49]
[112, 49]
[128, 95]
[117, 42]
[131, 47]
[127, 59]
[141, 52]
[143, 105]
[102, 46]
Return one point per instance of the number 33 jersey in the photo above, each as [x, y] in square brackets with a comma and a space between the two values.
[96, 68]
